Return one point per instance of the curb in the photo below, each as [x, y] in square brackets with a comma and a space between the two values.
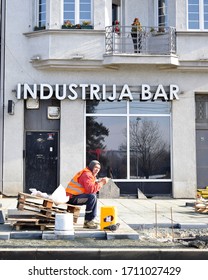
[103, 254]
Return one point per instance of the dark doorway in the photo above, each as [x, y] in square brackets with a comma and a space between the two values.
[41, 161]
[202, 157]
[202, 139]
[115, 10]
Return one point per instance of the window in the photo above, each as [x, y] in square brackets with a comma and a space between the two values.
[197, 14]
[77, 11]
[162, 13]
[130, 139]
[42, 13]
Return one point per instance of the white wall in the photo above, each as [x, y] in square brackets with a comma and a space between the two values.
[71, 139]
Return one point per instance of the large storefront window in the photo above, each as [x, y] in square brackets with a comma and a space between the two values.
[130, 139]
[77, 11]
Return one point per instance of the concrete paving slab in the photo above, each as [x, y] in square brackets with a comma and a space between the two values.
[4, 235]
[90, 234]
[26, 234]
[122, 234]
[192, 225]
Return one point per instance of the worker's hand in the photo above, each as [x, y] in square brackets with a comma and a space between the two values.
[104, 180]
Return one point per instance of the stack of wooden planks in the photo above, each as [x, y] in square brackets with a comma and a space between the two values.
[39, 212]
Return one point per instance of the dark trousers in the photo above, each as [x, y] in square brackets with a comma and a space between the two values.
[137, 41]
[90, 200]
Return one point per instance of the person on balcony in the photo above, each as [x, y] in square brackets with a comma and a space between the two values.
[136, 34]
[82, 190]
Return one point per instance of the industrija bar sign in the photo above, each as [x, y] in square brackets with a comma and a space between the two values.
[143, 92]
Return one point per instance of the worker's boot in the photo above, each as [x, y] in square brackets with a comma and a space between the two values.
[90, 224]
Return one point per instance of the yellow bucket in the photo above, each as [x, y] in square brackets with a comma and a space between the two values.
[108, 216]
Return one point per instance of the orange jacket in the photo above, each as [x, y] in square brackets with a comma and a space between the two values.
[73, 187]
[83, 182]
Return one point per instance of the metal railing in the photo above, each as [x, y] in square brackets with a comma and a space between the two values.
[148, 40]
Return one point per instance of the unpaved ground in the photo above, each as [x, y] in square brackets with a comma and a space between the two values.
[149, 238]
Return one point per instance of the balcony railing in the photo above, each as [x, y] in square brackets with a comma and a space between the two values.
[148, 40]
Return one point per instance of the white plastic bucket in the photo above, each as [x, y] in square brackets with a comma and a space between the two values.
[64, 223]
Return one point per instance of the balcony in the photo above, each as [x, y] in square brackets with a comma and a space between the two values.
[95, 49]
[151, 45]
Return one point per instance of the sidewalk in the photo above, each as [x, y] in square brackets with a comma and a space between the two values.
[145, 213]
[133, 215]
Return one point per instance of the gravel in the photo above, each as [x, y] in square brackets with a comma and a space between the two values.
[148, 238]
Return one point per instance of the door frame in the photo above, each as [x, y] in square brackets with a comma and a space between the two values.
[58, 155]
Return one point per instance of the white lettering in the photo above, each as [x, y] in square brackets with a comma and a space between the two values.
[19, 94]
[113, 95]
[27, 90]
[146, 94]
[71, 88]
[97, 92]
[125, 93]
[57, 92]
[160, 93]
[94, 89]
[43, 94]
[174, 89]
[83, 87]
[103, 92]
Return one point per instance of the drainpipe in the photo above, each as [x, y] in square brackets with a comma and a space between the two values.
[2, 86]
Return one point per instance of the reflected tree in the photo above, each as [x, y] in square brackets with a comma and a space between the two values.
[95, 134]
[148, 149]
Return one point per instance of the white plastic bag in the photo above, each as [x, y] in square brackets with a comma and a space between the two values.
[59, 195]
[38, 193]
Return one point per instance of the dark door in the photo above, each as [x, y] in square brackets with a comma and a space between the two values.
[202, 157]
[41, 161]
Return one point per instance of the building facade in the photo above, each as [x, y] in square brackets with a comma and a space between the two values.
[78, 82]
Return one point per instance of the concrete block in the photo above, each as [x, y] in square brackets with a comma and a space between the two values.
[26, 235]
[49, 236]
[192, 225]
[4, 235]
[53, 236]
[64, 235]
[90, 234]
[140, 194]
[2, 219]
[110, 190]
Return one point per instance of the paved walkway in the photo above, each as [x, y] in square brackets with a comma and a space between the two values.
[132, 214]
[139, 213]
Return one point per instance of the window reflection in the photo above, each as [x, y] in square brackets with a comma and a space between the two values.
[116, 134]
[106, 142]
[106, 107]
[149, 107]
[149, 148]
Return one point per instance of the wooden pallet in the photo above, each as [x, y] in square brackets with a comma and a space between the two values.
[24, 224]
[45, 208]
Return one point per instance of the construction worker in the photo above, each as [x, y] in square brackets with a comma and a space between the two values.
[82, 190]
